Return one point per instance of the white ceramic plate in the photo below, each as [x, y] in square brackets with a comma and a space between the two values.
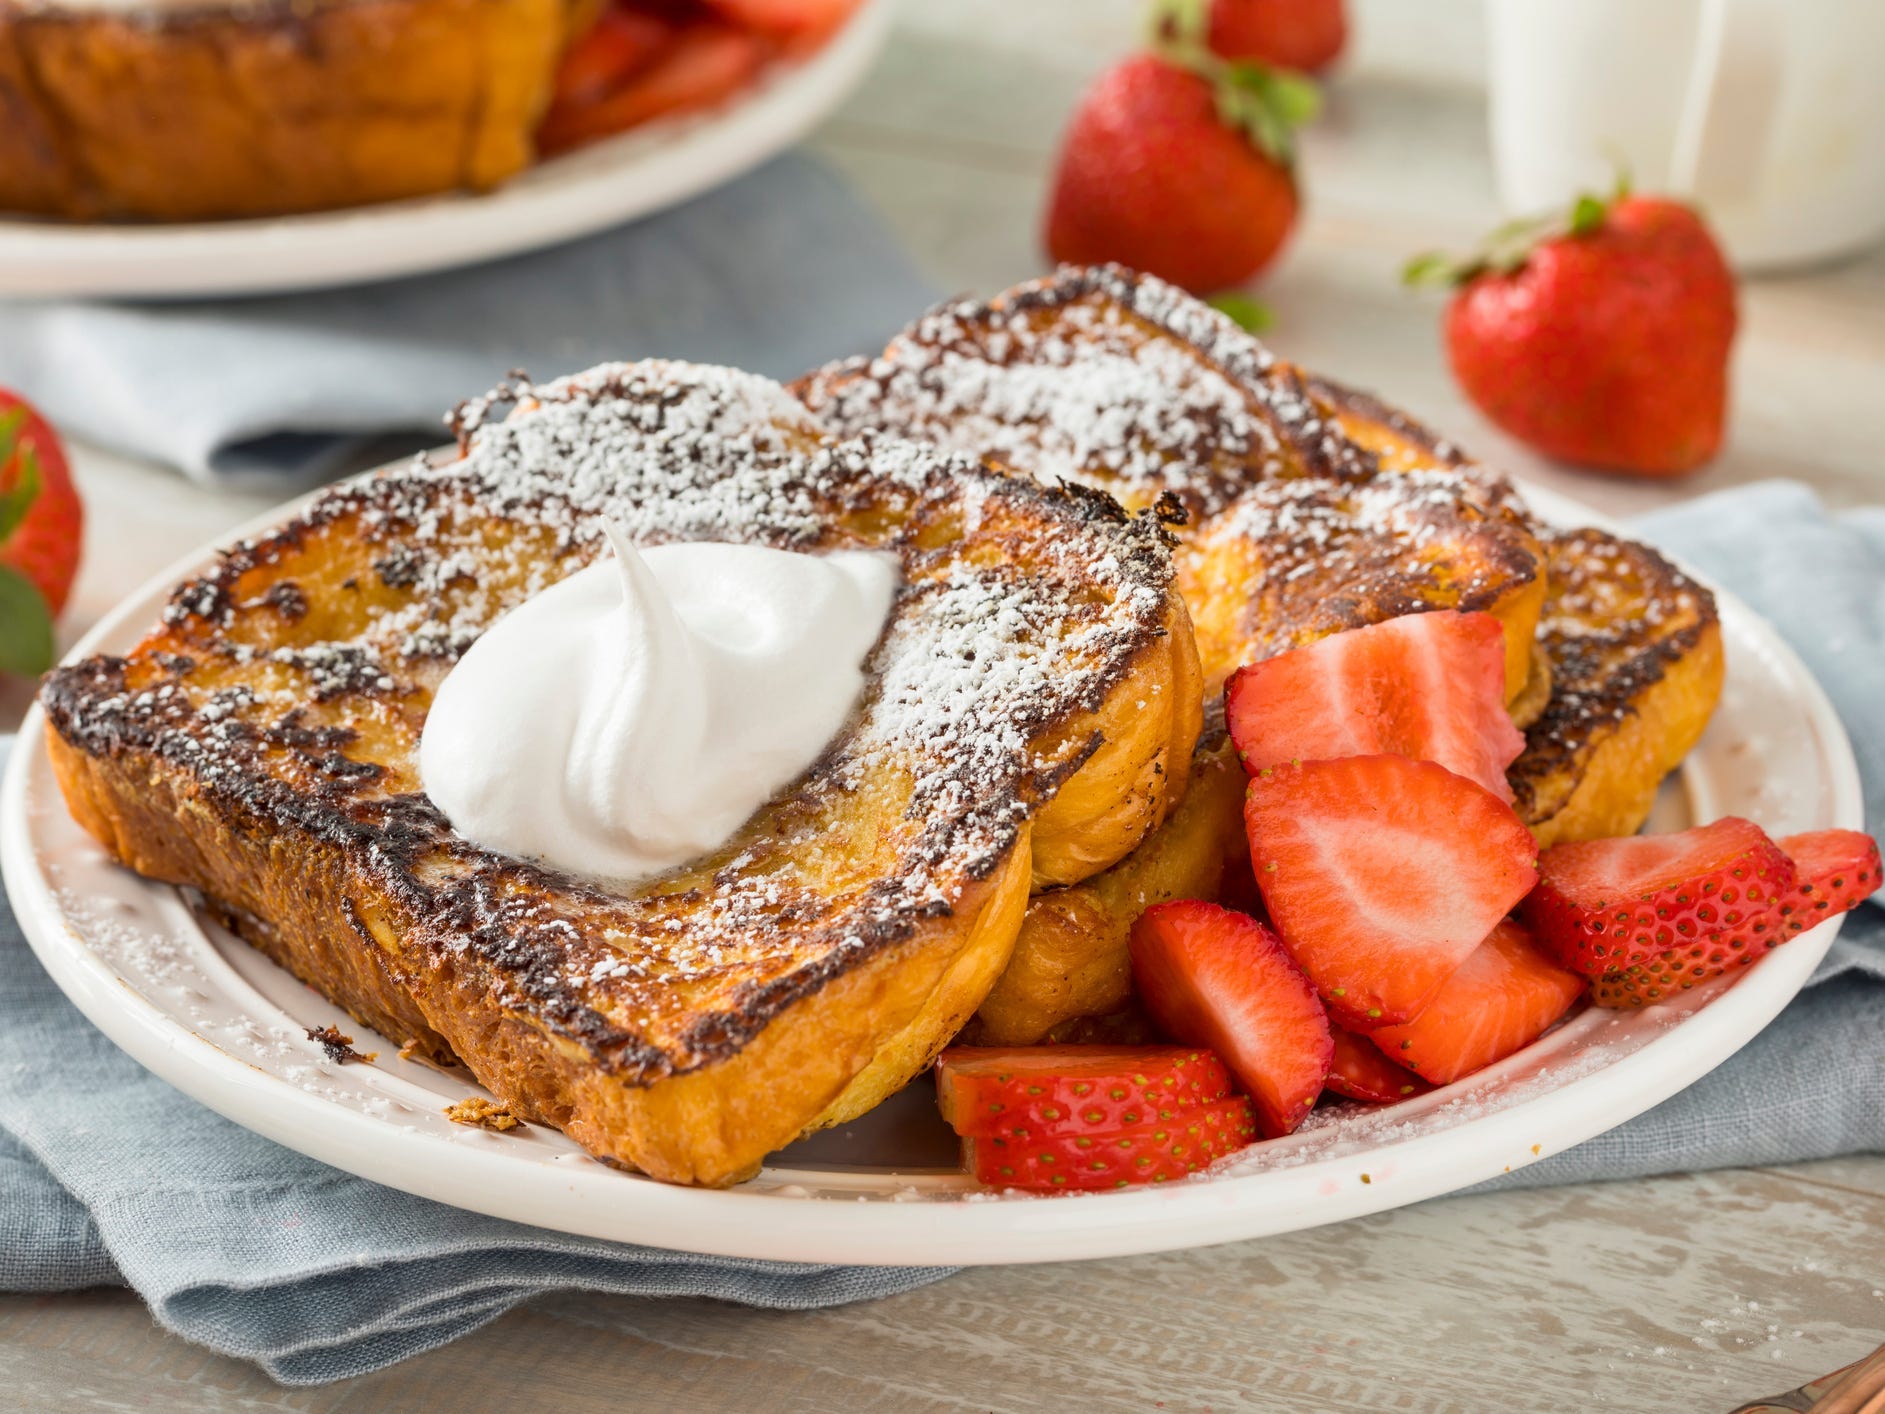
[217, 1020]
[585, 191]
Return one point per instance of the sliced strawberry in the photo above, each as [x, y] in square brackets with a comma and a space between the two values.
[1042, 1090]
[1608, 905]
[1361, 1072]
[785, 17]
[1211, 977]
[1382, 875]
[1834, 870]
[1668, 974]
[705, 64]
[1837, 871]
[1500, 1000]
[602, 60]
[1140, 1153]
[1429, 686]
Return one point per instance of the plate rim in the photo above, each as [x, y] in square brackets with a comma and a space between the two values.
[974, 1230]
[605, 184]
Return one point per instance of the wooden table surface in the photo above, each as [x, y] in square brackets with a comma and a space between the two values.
[1670, 1294]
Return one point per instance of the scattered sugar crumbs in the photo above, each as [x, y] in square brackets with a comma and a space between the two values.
[481, 1113]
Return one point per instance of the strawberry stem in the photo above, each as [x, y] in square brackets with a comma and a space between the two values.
[1510, 245]
[1266, 104]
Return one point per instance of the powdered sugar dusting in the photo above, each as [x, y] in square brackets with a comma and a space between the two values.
[1125, 383]
[1063, 380]
[306, 707]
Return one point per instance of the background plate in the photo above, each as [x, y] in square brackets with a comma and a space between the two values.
[223, 1024]
[585, 191]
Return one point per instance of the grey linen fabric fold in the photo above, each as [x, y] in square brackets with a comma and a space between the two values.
[108, 1174]
[776, 272]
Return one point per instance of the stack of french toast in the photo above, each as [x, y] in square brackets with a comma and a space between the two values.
[1104, 498]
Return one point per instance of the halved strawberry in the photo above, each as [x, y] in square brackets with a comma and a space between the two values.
[1361, 1072]
[1429, 686]
[1837, 871]
[1382, 875]
[1501, 999]
[1608, 905]
[1041, 1090]
[1211, 977]
[1141, 1153]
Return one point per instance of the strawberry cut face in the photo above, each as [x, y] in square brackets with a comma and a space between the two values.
[1383, 875]
[1427, 686]
[1221, 979]
[1500, 1000]
[1361, 1072]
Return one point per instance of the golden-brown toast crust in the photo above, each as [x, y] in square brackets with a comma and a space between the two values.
[1072, 958]
[261, 746]
[1637, 667]
[1120, 381]
[204, 111]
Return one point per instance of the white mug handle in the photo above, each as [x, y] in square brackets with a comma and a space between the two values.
[1729, 106]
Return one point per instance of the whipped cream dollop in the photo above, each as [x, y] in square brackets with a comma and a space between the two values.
[633, 716]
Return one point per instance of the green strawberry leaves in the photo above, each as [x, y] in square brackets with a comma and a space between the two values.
[1251, 315]
[1506, 250]
[18, 498]
[1267, 105]
[26, 645]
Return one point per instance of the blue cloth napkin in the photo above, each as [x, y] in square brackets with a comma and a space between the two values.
[108, 1174]
[1812, 1084]
[776, 273]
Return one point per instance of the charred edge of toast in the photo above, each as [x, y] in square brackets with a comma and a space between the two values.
[1601, 672]
[1370, 408]
[390, 835]
[1275, 388]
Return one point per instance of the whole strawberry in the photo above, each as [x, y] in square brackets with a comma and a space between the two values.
[1183, 172]
[1290, 34]
[1602, 341]
[40, 525]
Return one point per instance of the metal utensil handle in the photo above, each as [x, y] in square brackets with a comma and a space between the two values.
[1860, 1391]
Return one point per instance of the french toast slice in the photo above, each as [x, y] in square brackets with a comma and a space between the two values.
[1120, 381]
[1072, 956]
[213, 109]
[260, 745]
[1632, 648]
[1637, 668]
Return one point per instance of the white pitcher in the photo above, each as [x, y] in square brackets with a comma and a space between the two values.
[1770, 114]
